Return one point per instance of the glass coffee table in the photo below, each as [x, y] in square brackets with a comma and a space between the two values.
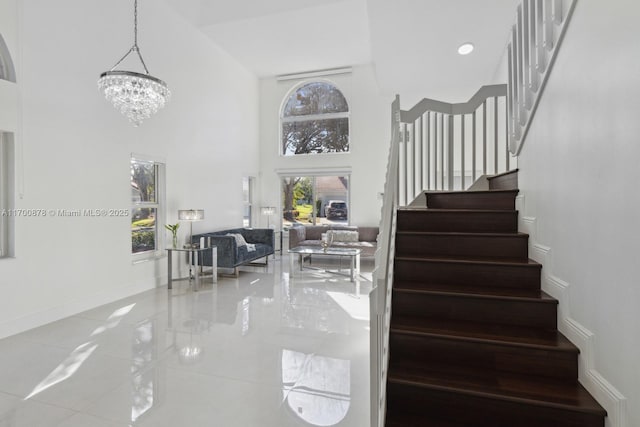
[301, 252]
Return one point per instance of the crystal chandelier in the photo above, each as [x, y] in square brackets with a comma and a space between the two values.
[135, 95]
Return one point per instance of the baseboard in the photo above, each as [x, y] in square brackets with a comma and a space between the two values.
[71, 308]
[605, 393]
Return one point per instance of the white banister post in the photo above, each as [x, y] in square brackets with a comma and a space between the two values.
[548, 25]
[495, 135]
[473, 147]
[450, 152]
[484, 137]
[462, 152]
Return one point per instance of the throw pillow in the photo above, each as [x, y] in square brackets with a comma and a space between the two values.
[239, 239]
[344, 235]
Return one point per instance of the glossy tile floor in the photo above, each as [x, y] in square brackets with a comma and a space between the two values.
[263, 350]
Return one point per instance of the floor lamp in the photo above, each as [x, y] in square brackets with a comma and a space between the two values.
[190, 215]
[268, 211]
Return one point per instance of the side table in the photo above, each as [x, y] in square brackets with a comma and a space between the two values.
[195, 259]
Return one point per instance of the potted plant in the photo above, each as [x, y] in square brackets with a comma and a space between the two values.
[173, 228]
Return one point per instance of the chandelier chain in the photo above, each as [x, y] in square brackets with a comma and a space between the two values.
[137, 96]
[135, 47]
[135, 23]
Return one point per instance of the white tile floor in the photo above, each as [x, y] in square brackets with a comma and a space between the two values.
[263, 350]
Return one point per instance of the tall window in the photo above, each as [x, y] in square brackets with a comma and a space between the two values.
[6, 194]
[315, 119]
[247, 199]
[147, 210]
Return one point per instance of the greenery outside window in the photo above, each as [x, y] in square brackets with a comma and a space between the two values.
[315, 200]
[147, 207]
[315, 120]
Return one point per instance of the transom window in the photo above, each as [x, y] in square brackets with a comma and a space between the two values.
[315, 120]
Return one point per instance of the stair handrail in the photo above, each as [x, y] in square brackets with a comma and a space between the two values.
[380, 296]
[428, 104]
[447, 146]
[534, 43]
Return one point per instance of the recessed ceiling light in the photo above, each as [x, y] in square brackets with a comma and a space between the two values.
[465, 48]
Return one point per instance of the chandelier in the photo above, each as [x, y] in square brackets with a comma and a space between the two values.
[137, 96]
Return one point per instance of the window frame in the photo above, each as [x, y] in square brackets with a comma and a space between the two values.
[312, 117]
[159, 205]
[247, 220]
[7, 182]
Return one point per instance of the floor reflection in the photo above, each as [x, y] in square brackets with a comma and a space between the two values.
[316, 388]
[297, 349]
[143, 381]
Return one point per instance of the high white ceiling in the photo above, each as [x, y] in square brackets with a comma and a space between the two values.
[412, 43]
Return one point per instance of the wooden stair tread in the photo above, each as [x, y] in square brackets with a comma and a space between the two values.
[474, 192]
[473, 291]
[406, 420]
[542, 299]
[453, 211]
[530, 390]
[474, 260]
[462, 233]
[485, 333]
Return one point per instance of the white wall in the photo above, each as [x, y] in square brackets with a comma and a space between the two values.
[370, 123]
[74, 150]
[577, 175]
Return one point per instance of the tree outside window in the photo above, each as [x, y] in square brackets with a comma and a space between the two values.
[315, 120]
[145, 201]
[313, 200]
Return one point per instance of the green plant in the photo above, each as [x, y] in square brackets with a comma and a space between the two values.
[173, 228]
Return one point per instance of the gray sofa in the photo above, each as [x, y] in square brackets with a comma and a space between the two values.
[231, 254]
[311, 235]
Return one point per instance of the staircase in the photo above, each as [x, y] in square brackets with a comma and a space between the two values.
[473, 340]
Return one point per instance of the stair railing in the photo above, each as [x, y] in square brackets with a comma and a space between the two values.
[434, 146]
[380, 296]
[535, 40]
[446, 146]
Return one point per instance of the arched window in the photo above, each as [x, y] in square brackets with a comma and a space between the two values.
[7, 71]
[315, 119]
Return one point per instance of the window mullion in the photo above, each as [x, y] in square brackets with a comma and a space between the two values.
[311, 117]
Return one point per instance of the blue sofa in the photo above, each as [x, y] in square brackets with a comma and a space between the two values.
[231, 254]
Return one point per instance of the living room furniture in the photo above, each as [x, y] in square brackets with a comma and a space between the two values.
[238, 246]
[311, 235]
[301, 252]
[195, 257]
